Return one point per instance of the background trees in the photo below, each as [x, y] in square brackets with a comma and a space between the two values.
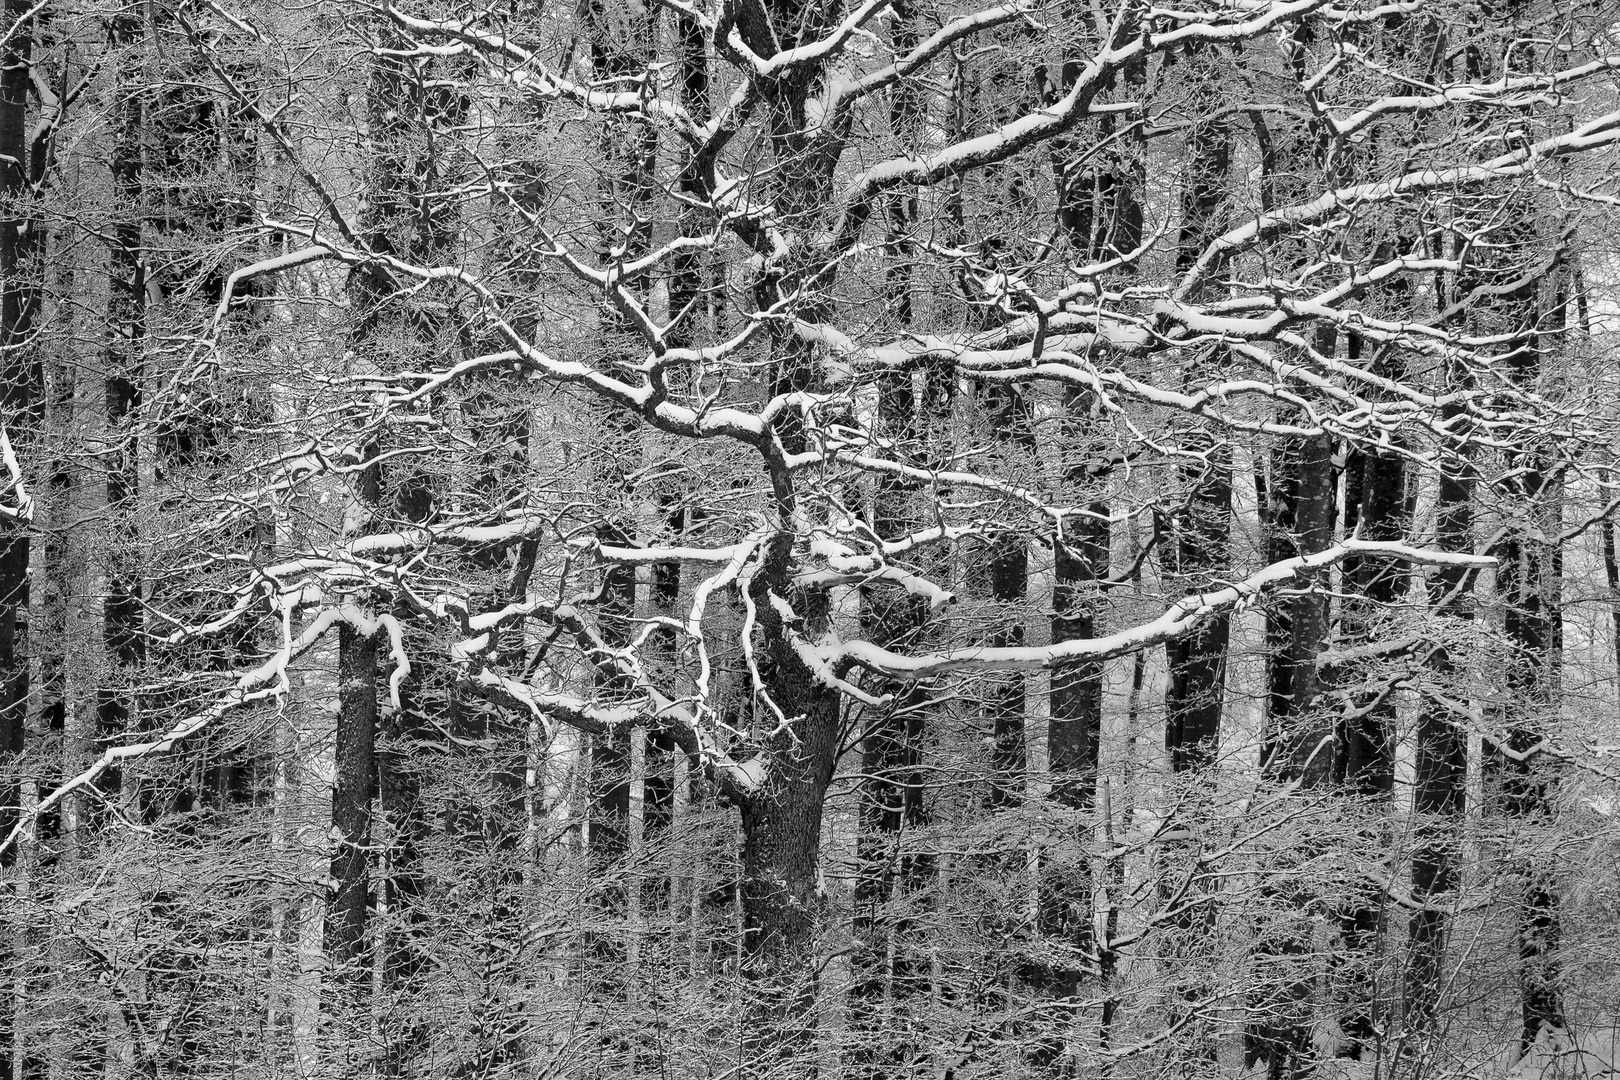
[879, 539]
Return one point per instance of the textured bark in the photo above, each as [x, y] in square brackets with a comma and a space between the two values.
[1303, 511]
[21, 407]
[1376, 507]
[1298, 749]
[1611, 571]
[399, 110]
[621, 46]
[780, 897]
[781, 825]
[353, 795]
[1198, 547]
[1439, 787]
[1100, 211]
[1529, 583]
[891, 967]
[124, 372]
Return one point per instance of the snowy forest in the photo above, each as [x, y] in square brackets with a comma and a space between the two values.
[794, 539]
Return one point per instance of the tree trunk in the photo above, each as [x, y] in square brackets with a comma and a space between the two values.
[1198, 546]
[1441, 761]
[891, 967]
[1376, 507]
[21, 408]
[1101, 213]
[781, 855]
[1195, 550]
[1529, 584]
[354, 792]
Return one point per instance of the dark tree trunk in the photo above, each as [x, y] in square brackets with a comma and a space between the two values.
[1003, 577]
[1529, 583]
[781, 849]
[1440, 785]
[1198, 546]
[21, 410]
[1528, 571]
[1303, 500]
[781, 824]
[1298, 747]
[891, 965]
[1376, 507]
[126, 312]
[1193, 557]
[1441, 761]
[21, 400]
[1100, 212]
[354, 791]
[622, 46]
[403, 105]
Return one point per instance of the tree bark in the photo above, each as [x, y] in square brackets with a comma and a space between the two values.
[21, 411]
[354, 793]
[1529, 583]
[1439, 788]
[891, 967]
[781, 853]
[1198, 546]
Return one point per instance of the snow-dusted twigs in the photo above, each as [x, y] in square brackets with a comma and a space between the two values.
[1180, 618]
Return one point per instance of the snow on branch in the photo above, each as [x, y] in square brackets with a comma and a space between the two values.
[1182, 617]
[24, 510]
[1600, 131]
[264, 682]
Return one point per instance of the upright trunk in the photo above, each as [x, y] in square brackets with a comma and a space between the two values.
[890, 969]
[1298, 749]
[123, 377]
[781, 824]
[1198, 547]
[1194, 554]
[1529, 568]
[1529, 585]
[1441, 764]
[301, 818]
[124, 373]
[1004, 579]
[1295, 156]
[1442, 752]
[1100, 210]
[1001, 570]
[354, 771]
[1511, 258]
[1376, 507]
[1611, 570]
[781, 903]
[622, 42]
[354, 791]
[690, 307]
[21, 406]
[1303, 498]
[92, 536]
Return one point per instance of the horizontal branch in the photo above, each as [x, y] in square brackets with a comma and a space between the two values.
[1182, 617]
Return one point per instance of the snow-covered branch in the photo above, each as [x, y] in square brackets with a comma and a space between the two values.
[1182, 617]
